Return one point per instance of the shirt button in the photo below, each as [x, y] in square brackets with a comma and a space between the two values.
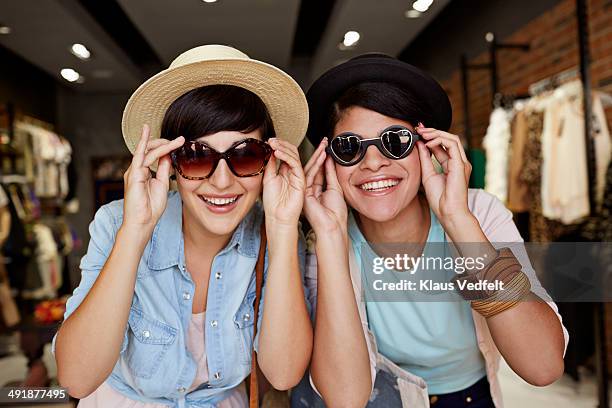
[246, 317]
[181, 389]
[217, 375]
[213, 323]
[146, 334]
[186, 296]
[218, 275]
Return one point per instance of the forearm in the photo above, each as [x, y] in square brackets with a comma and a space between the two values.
[529, 335]
[340, 365]
[89, 341]
[285, 341]
[530, 338]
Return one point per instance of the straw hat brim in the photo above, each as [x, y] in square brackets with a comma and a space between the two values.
[282, 96]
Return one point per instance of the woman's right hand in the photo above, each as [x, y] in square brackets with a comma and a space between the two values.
[146, 196]
[326, 211]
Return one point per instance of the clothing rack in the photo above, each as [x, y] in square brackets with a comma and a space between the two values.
[491, 66]
[553, 81]
[583, 71]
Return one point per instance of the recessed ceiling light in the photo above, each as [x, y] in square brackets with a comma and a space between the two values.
[422, 5]
[4, 29]
[209, 1]
[351, 38]
[70, 75]
[80, 51]
[412, 13]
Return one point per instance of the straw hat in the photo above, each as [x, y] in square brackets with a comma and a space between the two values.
[216, 65]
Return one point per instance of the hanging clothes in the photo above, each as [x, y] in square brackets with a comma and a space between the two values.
[51, 155]
[603, 149]
[565, 181]
[518, 191]
[541, 229]
[496, 144]
[48, 264]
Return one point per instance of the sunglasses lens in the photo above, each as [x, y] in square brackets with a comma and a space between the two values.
[397, 142]
[195, 160]
[249, 158]
[346, 148]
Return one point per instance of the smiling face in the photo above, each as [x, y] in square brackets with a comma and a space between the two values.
[219, 203]
[220, 116]
[377, 187]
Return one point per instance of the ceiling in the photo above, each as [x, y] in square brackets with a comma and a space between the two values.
[132, 39]
[43, 31]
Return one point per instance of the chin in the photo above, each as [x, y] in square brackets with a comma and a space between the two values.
[377, 213]
[384, 208]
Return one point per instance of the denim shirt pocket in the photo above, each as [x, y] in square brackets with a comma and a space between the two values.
[243, 322]
[149, 342]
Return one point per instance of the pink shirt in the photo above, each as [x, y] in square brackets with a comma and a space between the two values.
[106, 396]
[497, 224]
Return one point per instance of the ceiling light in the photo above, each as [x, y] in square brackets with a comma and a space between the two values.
[70, 75]
[489, 37]
[351, 38]
[209, 1]
[422, 5]
[412, 13]
[80, 51]
[4, 29]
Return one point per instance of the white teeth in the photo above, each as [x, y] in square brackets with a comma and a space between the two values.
[220, 201]
[379, 185]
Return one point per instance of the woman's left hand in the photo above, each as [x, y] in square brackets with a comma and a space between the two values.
[446, 192]
[283, 191]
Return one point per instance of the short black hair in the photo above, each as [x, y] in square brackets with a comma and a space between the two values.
[382, 97]
[214, 108]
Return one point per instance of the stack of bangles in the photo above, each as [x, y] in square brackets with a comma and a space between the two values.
[504, 268]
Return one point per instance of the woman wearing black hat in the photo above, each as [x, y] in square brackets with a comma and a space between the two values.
[438, 346]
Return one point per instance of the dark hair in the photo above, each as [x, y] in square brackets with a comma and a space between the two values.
[214, 108]
[382, 97]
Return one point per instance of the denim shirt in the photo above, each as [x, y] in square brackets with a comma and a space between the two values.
[154, 364]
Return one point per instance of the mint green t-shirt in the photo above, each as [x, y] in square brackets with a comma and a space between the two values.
[435, 340]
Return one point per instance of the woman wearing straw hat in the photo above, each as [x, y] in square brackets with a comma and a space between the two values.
[170, 303]
[383, 332]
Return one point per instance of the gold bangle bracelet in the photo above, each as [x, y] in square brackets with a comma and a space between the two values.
[516, 290]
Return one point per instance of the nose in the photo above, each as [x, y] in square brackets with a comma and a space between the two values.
[373, 159]
[222, 177]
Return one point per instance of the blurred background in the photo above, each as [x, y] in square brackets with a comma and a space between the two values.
[67, 68]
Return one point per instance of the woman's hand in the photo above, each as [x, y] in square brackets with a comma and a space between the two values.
[326, 211]
[446, 192]
[145, 195]
[283, 191]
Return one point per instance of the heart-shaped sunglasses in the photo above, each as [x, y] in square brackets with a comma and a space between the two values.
[395, 142]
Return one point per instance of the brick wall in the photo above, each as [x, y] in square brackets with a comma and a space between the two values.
[554, 47]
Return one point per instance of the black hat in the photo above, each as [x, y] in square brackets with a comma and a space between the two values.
[374, 67]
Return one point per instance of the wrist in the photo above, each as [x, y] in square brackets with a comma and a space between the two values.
[136, 234]
[281, 234]
[337, 238]
[462, 227]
